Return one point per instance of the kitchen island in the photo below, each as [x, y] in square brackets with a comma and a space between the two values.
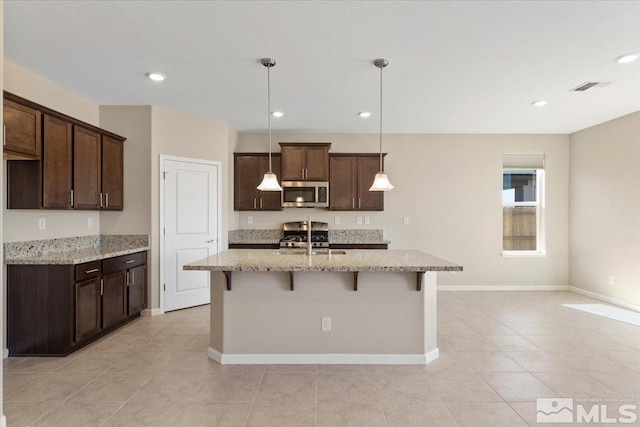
[270, 307]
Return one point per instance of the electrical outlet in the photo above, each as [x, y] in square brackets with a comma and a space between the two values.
[336, 220]
[405, 220]
[367, 220]
[359, 220]
[612, 281]
[326, 324]
[249, 219]
[90, 222]
[42, 224]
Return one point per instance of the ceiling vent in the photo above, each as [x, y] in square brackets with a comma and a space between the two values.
[588, 85]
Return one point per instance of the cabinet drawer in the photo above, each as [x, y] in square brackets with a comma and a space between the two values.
[88, 270]
[123, 262]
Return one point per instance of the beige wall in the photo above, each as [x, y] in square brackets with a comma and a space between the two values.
[134, 122]
[605, 209]
[450, 188]
[23, 224]
[183, 135]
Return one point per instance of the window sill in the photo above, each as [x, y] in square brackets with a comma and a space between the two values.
[523, 254]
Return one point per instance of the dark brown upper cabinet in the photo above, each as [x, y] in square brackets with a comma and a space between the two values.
[249, 168]
[305, 161]
[112, 173]
[57, 160]
[86, 168]
[22, 131]
[351, 176]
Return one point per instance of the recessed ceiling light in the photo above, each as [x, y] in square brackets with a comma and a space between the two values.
[364, 114]
[277, 114]
[625, 59]
[539, 103]
[157, 77]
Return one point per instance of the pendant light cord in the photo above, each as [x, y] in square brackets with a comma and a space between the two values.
[381, 119]
[269, 111]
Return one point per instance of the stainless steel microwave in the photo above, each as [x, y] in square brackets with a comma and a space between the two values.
[305, 194]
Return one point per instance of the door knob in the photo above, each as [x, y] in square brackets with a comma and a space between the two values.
[211, 241]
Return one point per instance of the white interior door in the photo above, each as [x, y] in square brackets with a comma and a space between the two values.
[190, 229]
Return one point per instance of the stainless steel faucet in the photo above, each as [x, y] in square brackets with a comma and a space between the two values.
[309, 243]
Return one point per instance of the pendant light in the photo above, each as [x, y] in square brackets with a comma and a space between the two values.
[270, 180]
[381, 181]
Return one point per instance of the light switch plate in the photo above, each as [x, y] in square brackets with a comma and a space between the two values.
[358, 220]
[405, 220]
[42, 224]
[249, 219]
[336, 220]
[367, 220]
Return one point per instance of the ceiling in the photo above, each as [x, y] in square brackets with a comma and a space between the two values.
[455, 67]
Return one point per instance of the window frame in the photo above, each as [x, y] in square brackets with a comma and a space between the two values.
[541, 247]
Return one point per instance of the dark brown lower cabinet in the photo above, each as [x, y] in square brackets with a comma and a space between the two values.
[114, 299]
[137, 290]
[88, 305]
[53, 310]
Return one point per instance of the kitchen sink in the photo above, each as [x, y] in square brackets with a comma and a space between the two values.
[314, 252]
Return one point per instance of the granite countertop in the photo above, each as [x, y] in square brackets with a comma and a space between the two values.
[73, 250]
[353, 260]
[336, 236]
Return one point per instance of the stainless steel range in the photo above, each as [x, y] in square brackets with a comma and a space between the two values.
[296, 234]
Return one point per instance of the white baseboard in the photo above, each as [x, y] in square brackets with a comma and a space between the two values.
[322, 359]
[5, 353]
[3, 421]
[151, 312]
[605, 298]
[502, 288]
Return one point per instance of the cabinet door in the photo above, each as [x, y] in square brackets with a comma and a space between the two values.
[293, 163]
[23, 133]
[368, 167]
[114, 299]
[112, 174]
[317, 164]
[137, 290]
[246, 179]
[88, 309]
[56, 163]
[343, 183]
[269, 200]
[86, 169]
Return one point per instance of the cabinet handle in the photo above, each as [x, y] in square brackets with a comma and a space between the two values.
[211, 241]
[91, 271]
[306, 173]
[127, 277]
[260, 202]
[254, 203]
[133, 277]
[359, 203]
[4, 135]
[71, 198]
[100, 199]
[106, 196]
[302, 173]
[101, 286]
[353, 203]
[129, 261]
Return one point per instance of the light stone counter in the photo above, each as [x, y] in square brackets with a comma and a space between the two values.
[73, 250]
[353, 260]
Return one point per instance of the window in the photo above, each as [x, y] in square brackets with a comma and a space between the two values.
[522, 206]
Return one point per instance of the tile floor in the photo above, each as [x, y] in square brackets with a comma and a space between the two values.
[499, 352]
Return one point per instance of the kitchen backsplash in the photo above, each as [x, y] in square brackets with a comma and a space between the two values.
[335, 236]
